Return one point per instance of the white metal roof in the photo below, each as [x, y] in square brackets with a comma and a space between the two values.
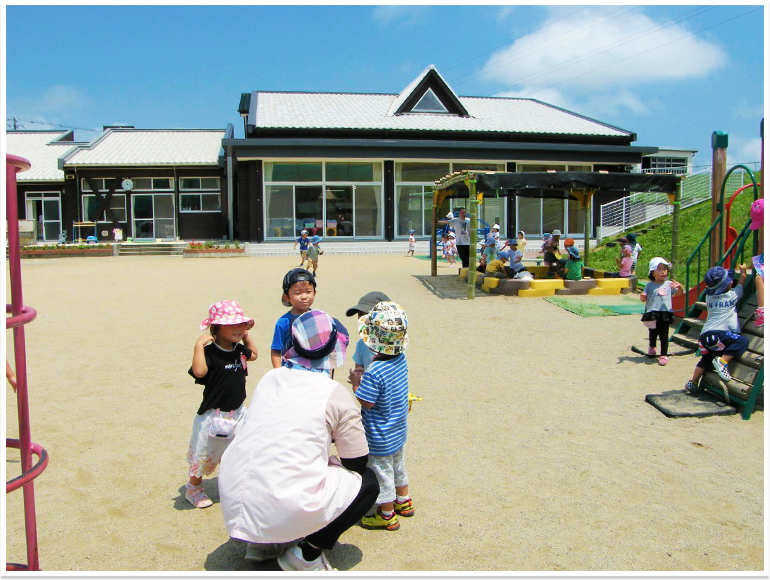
[41, 150]
[370, 111]
[126, 147]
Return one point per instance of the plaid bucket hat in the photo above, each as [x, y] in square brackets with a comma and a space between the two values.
[383, 330]
[226, 312]
[317, 341]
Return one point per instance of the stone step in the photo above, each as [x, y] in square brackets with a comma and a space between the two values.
[604, 291]
[612, 283]
[536, 292]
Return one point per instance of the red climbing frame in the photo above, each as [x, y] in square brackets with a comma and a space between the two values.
[21, 315]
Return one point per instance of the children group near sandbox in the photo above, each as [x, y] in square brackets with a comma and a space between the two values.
[296, 472]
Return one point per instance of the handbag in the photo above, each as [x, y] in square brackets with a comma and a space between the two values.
[223, 426]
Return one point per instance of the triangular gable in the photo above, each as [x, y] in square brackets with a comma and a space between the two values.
[428, 93]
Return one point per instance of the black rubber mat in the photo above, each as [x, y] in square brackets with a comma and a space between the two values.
[683, 404]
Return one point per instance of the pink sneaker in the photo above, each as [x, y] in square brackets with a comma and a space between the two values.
[196, 496]
[663, 360]
[759, 320]
[652, 351]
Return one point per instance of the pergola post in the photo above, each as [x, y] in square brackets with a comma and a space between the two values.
[433, 240]
[471, 183]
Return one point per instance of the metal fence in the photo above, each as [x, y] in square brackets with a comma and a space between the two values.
[639, 208]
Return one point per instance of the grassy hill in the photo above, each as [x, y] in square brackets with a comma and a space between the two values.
[693, 224]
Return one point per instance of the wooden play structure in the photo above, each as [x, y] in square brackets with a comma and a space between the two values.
[558, 184]
[732, 249]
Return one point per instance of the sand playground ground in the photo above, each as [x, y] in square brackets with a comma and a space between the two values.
[533, 448]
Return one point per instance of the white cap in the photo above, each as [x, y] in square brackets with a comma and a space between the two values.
[303, 232]
[496, 226]
[451, 234]
[655, 262]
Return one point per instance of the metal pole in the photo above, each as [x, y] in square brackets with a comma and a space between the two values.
[20, 357]
[433, 240]
[474, 239]
[587, 226]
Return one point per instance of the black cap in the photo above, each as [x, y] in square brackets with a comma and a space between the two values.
[367, 302]
[292, 277]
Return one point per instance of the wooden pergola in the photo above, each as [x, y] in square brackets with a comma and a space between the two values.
[555, 185]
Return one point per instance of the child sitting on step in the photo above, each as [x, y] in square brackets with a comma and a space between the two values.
[720, 340]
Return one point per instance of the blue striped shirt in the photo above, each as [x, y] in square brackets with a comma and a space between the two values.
[386, 384]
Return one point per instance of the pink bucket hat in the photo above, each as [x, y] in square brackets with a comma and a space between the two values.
[757, 214]
[226, 312]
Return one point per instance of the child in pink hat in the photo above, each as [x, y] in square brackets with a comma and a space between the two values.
[219, 364]
[757, 221]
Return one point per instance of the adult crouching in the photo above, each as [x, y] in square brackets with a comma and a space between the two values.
[278, 482]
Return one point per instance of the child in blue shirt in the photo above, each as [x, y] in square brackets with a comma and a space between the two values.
[383, 392]
[298, 292]
[303, 242]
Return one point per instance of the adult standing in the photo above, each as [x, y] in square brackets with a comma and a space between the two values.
[462, 227]
[277, 480]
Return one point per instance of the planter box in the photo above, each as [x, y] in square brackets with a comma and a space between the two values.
[214, 253]
[74, 253]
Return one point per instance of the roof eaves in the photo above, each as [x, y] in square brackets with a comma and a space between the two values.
[62, 161]
[574, 114]
[243, 106]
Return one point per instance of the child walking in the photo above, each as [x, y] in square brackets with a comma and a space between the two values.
[313, 251]
[412, 244]
[219, 364]
[298, 292]
[658, 308]
[383, 392]
[720, 340]
[303, 242]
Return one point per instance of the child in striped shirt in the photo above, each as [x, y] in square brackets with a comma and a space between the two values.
[383, 392]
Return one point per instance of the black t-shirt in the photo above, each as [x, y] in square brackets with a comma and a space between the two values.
[225, 383]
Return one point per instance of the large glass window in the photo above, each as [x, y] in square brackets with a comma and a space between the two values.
[201, 195]
[537, 216]
[293, 171]
[368, 214]
[117, 205]
[333, 199]
[279, 206]
[414, 201]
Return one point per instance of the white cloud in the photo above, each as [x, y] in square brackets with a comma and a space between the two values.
[405, 15]
[594, 105]
[743, 150]
[504, 12]
[61, 98]
[584, 49]
[51, 106]
[743, 110]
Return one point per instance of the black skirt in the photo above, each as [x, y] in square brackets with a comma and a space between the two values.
[667, 317]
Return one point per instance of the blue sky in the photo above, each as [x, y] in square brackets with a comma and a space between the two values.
[671, 74]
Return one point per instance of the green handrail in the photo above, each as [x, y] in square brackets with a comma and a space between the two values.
[696, 253]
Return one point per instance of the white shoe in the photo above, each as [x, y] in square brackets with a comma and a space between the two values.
[197, 497]
[292, 561]
[263, 552]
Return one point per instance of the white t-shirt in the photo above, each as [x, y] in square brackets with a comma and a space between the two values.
[635, 252]
[462, 228]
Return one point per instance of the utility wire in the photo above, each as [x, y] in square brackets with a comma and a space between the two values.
[646, 51]
[607, 47]
[54, 125]
[517, 38]
[528, 52]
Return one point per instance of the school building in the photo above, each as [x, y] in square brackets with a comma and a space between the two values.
[347, 166]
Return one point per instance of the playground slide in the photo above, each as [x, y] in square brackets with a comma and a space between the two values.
[677, 301]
